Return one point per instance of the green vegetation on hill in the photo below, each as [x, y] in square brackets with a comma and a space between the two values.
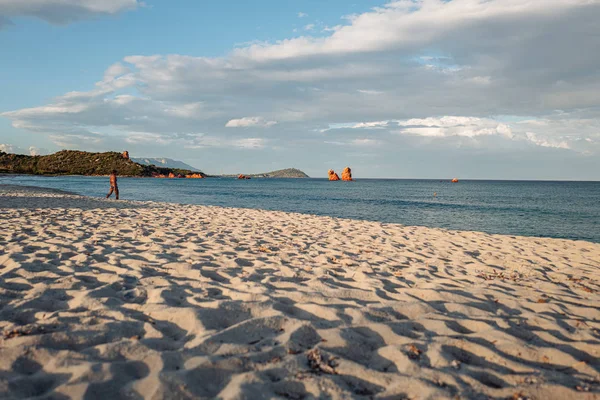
[69, 162]
[282, 173]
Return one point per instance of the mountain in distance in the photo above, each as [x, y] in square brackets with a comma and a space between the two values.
[170, 163]
[281, 173]
[165, 163]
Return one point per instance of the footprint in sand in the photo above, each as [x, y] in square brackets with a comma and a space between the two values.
[131, 292]
[242, 262]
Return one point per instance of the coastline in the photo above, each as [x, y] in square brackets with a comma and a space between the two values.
[8, 189]
[159, 299]
[568, 211]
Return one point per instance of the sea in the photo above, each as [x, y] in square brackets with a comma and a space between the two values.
[569, 210]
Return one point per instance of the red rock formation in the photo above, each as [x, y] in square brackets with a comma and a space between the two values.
[172, 175]
[333, 176]
[126, 155]
[347, 174]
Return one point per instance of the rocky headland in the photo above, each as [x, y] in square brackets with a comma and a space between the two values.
[72, 162]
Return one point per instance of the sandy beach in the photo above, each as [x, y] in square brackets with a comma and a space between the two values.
[108, 300]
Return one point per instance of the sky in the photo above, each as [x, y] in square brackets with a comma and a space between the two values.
[475, 89]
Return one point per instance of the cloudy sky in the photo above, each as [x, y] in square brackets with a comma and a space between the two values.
[499, 89]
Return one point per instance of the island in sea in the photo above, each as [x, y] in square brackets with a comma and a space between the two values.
[281, 173]
[73, 162]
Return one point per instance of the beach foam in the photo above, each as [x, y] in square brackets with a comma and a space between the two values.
[106, 299]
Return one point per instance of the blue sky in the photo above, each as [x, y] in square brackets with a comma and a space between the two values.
[425, 89]
[44, 60]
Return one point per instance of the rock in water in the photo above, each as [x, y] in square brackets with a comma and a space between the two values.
[333, 176]
[347, 174]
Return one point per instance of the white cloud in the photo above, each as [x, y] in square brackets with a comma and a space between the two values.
[365, 142]
[534, 138]
[358, 125]
[309, 27]
[115, 71]
[148, 137]
[196, 141]
[33, 151]
[454, 126]
[370, 92]
[302, 15]
[250, 143]
[408, 24]
[61, 11]
[7, 148]
[187, 110]
[577, 131]
[249, 77]
[398, 69]
[480, 80]
[331, 28]
[436, 126]
[371, 125]
[358, 142]
[247, 122]
[74, 140]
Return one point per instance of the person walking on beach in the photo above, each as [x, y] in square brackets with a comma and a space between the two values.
[113, 185]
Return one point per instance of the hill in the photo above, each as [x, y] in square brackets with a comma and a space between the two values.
[165, 163]
[69, 162]
[281, 173]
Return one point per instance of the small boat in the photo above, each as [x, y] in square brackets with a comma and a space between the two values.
[455, 180]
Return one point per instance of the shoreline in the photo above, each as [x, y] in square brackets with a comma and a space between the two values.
[160, 300]
[158, 203]
[41, 189]
[36, 189]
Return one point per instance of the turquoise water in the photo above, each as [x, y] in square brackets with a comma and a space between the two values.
[532, 208]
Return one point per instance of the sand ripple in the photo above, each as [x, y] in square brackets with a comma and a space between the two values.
[156, 301]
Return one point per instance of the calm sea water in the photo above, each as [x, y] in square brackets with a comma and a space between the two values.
[532, 208]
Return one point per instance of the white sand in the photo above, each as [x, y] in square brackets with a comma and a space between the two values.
[164, 301]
